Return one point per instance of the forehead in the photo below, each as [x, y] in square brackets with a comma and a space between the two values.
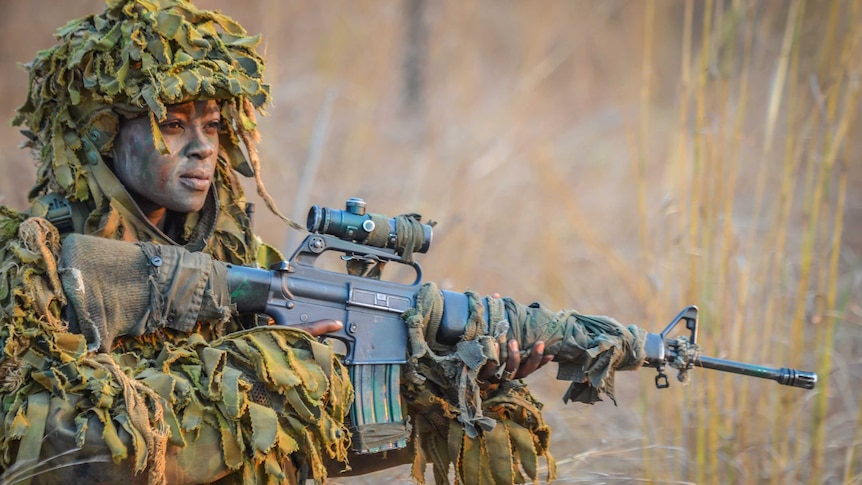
[192, 108]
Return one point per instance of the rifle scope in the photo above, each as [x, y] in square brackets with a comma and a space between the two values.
[355, 225]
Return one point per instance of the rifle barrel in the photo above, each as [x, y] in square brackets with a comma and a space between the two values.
[784, 376]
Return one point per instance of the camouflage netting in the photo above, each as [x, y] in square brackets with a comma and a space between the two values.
[259, 402]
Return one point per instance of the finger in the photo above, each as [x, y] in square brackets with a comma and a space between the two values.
[320, 327]
[495, 295]
[534, 361]
[489, 370]
[513, 361]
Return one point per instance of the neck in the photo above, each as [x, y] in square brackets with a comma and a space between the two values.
[156, 215]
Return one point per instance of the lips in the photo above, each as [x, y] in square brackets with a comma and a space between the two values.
[196, 180]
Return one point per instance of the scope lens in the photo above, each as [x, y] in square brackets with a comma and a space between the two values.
[314, 221]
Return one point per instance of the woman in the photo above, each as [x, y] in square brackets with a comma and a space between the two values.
[123, 354]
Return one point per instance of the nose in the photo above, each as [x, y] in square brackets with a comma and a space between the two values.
[200, 145]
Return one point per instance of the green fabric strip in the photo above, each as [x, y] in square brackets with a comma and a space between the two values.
[31, 443]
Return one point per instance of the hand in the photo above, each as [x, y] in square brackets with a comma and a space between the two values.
[320, 327]
[515, 369]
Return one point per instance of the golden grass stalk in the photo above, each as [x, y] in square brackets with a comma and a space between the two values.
[677, 423]
[695, 232]
[850, 53]
[784, 402]
[730, 241]
[638, 159]
[826, 342]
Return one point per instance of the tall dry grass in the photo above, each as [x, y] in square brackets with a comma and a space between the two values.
[622, 158]
[774, 260]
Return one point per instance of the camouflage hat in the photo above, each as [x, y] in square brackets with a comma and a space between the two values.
[134, 59]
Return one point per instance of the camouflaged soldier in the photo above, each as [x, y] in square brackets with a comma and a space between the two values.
[123, 357]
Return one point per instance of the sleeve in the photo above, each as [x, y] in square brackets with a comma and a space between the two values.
[588, 348]
[118, 288]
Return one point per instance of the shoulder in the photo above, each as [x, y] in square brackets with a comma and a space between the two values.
[67, 216]
[10, 220]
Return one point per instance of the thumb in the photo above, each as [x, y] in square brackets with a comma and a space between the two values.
[320, 327]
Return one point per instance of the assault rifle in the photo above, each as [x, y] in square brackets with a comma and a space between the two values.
[374, 334]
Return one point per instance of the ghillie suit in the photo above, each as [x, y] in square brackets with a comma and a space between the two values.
[193, 394]
[181, 407]
[194, 397]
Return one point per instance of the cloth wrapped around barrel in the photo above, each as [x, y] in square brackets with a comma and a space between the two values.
[168, 407]
[496, 433]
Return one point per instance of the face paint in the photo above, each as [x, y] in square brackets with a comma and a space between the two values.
[180, 180]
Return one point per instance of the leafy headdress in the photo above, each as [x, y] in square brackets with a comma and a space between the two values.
[134, 59]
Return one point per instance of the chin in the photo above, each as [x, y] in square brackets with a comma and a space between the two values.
[187, 208]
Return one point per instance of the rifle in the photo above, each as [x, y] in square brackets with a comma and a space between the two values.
[374, 334]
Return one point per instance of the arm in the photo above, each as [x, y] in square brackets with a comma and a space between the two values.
[172, 398]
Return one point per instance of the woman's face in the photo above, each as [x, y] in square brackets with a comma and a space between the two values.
[180, 180]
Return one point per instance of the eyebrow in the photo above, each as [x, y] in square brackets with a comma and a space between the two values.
[186, 108]
[212, 108]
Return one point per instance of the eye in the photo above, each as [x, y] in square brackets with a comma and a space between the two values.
[213, 126]
[171, 127]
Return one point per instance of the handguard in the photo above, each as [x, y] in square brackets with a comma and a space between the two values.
[683, 353]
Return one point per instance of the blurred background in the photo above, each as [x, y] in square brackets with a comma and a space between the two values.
[621, 158]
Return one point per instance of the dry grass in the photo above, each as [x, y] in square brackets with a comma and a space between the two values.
[623, 158]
